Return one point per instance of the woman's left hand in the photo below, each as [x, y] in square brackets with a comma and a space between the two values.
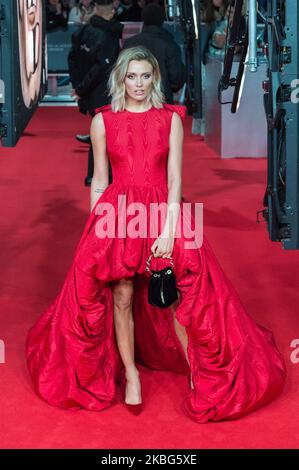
[163, 246]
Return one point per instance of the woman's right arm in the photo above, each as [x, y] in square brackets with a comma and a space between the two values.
[100, 179]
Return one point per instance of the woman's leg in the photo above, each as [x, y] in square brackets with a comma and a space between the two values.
[182, 335]
[123, 291]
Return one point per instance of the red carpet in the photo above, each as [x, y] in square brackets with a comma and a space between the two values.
[44, 207]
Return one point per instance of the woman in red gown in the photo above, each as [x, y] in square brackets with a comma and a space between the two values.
[101, 323]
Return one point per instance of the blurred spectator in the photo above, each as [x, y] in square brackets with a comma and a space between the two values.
[75, 15]
[219, 36]
[95, 48]
[65, 7]
[162, 44]
[118, 8]
[129, 10]
[214, 10]
[56, 15]
[82, 12]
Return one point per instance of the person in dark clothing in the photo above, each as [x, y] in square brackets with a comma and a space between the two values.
[130, 10]
[161, 43]
[56, 15]
[95, 48]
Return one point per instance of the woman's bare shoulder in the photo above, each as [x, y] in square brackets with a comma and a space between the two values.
[97, 128]
[97, 123]
[176, 123]
[178, 109]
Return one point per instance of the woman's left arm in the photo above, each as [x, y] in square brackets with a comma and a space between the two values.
[164, 244]
[174, 174]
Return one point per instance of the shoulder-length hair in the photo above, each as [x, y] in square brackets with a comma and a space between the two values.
[116, 82]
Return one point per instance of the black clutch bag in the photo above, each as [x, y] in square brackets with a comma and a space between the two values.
[162, 290]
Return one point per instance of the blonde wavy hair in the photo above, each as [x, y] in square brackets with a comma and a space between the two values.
[116, 82]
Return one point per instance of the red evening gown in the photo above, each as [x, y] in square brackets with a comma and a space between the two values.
[71, 350]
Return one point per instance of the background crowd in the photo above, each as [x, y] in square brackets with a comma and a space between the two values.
[60, 12]
[96, 45]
